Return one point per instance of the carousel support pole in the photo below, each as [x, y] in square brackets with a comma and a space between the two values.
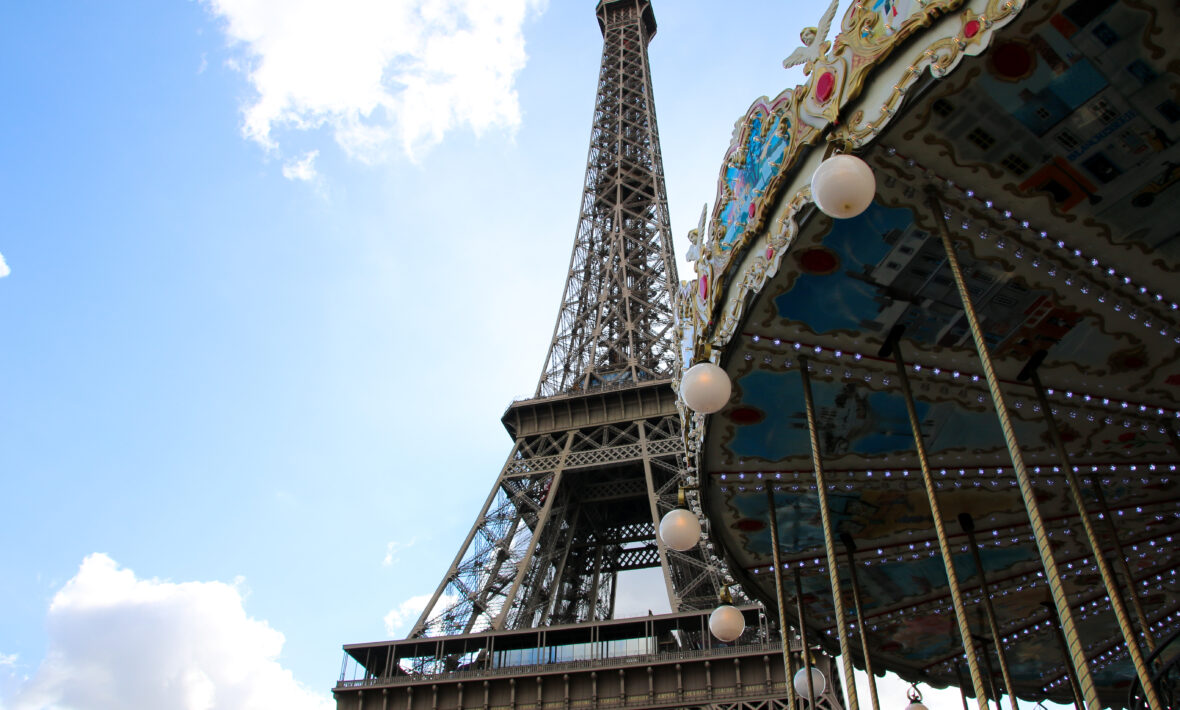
[962, 690]
[1124, 566]
[829, 544]
[1108, 578]
[892, 345]
[1078, 702]
[779, 596]
[1077, 656]
[1100, 496]
[968, 524]
[806, 652]
[850, 550]
[991, 674]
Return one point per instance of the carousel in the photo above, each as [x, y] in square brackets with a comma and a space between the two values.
[931, 353]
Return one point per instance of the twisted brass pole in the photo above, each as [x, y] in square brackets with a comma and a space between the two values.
[1108, 580]
[1076, 656]
[829, 546]
[1078, 701]
[948, 562]
[849, 549]
[780, 597]
[968, 524]
[991, 675]
[962, 690]
[1121, 556]
[806, 653]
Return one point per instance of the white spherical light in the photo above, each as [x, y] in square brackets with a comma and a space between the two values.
[916, 705]
[843, 186]
[680, 530]
[727, 623]
[817, 680]
[705, 388]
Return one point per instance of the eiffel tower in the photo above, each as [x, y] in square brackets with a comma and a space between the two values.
[598, 451]
[524, 614]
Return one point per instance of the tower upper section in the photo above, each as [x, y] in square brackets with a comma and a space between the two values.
[614, 326]
[609, 8]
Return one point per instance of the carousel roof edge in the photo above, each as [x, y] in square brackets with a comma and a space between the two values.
[856, 85]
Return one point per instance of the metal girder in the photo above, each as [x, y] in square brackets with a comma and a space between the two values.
[559, 527]
[615, 320]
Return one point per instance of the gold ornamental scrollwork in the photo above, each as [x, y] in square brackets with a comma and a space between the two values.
[940, 56]
[870, 31]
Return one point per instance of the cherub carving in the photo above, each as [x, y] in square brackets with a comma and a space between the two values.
[813, 40]
[696, 238]
[698, 254]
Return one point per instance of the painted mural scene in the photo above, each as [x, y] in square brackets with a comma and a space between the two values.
[913, 412]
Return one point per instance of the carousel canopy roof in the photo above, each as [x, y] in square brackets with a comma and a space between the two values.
[1045, 139]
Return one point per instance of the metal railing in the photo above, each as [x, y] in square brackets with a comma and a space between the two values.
[606, 387]
[662, 698]
[565, 666]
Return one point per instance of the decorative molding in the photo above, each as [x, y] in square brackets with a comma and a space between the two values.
[770, 140]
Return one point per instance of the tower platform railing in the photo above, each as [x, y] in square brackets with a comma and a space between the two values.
[664, 661]
[609, 643]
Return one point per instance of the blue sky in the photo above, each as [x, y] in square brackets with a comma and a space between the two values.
[276, 269]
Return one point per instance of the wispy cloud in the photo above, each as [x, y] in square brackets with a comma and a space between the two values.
[8, 659]
[393, 548]
[4, 270]
[399, 618]
[117, 641]
[301, 168]
[378, 73]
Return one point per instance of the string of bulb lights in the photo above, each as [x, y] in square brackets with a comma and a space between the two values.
[842, 187]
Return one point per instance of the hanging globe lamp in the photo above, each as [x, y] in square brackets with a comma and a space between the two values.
[705, 388]
[843, 186]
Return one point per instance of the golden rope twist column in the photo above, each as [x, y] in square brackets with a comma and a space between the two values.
[1077, 656]
[1108, 579]
[962, 690]
[803, 640]
[944, 547]
[778, 590]
[1078, 701]
[1122, 558]
[829, 544]
[1129, 579]
[849, 550]
[968, 526]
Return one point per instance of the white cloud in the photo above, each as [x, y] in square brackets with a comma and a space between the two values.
[393, 548]
[301, 168]
[8, 659]
[399, 618]
[4, 270]
[116, 641]
[377, 72]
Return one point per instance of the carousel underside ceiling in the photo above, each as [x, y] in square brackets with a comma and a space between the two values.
[1055, 162]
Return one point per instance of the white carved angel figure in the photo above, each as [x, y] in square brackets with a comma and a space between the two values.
[813, 40]
[701, 301]
[696, 238]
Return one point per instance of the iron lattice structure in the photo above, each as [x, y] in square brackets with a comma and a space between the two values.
[615, 321]
[598, 455]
